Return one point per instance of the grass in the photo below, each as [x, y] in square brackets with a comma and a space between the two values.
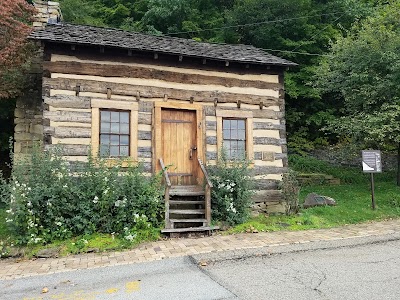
[353, 199]
[353, 206]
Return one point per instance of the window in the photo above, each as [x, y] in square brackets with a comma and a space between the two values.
[234, 137]
[114, 133]
[114, 128]
[235, 132]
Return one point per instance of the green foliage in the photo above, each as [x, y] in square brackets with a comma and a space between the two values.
[347, 175]
[290, 190]
[364, 68]
[49, 200]
[232, 190]
[353, 206]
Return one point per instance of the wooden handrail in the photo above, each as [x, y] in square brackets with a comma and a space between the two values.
[164, 169]
[205, 173]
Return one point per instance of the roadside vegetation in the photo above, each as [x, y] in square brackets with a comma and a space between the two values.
[91, 205]
[353, 199]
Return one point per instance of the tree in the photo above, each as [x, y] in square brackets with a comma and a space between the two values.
[16, 17]
[364, 69]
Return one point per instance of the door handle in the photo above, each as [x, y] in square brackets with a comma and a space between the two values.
[191, 152]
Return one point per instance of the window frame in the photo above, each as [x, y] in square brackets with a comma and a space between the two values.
[116, 134]
[113, 105]
[239, 115]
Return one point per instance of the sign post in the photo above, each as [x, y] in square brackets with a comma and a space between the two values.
[371, 163]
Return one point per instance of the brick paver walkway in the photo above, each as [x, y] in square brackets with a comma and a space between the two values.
[11, 268]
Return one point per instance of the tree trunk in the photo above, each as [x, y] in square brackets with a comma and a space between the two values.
[398, 164]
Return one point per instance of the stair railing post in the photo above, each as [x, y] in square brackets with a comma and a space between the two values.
[166, 195]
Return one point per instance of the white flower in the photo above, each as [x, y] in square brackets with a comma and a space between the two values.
[105, 179]
[105, 191]
[9, 211]
[96, 199]
[49, 203]
[29, 204]
[65, 186]
[29, 188]
[8, 220]
[58, 223]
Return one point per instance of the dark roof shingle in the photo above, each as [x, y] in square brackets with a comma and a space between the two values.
[89, 35]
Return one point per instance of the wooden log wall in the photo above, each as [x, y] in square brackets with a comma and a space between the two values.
[71, 83]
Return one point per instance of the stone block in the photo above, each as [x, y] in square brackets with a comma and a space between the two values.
[21, 128]
[36, 129]
[19, 113]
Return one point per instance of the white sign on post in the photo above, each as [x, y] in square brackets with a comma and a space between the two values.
[371, 161]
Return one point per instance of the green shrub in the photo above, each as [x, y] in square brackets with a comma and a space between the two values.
[232, 191]
[290, 190]
[50, 199]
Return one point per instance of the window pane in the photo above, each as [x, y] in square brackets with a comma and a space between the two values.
[124, 151]
[124, 117]
[114, 139]
[114, 150]
[104, 139]
[124, 128]
[227, 134]
[241, 134]
[124, 140]
[226, 124]
[241, 124]
[234, 124]
[114, 127]
[104, 150]
[234, 135]
[227, 146]
[105, 116]
[114, 116]
[242, 145]
[104, 127]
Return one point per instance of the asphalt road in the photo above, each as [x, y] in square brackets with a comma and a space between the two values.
[348, 269]
[364, 272]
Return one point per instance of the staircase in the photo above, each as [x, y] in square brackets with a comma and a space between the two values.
[187, 207]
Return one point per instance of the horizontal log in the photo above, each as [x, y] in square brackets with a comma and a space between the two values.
[265, 170]
[211, 140]
[68, 132]
[267, 126]
[68, 116]
[268, 196]
[266, 184]
[145, 106]
[69, 150]
[144, 135]
[156, 92]
[109, 70]
[144, 152]
[268, 141]
[79, 166]
[144, 119]
[211, 125]
[257, 113]
[67, 101]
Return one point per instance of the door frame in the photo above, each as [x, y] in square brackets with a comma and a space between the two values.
[157, 139]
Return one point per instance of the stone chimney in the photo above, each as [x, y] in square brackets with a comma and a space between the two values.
[49, 12]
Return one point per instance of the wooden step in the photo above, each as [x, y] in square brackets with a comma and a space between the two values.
[187, 220]
[186, 190]
[190, 229]
[187, 211]
[184, 202]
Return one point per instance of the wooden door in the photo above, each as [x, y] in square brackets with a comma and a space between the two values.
[179, 145]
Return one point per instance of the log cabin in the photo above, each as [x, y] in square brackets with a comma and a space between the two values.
[163, 101]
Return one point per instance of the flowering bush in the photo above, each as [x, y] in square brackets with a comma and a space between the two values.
[51, 199]
[232, 191]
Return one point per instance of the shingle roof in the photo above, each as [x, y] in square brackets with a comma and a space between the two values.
[89, 35]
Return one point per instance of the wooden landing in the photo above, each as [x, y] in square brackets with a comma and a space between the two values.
[190, 229]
